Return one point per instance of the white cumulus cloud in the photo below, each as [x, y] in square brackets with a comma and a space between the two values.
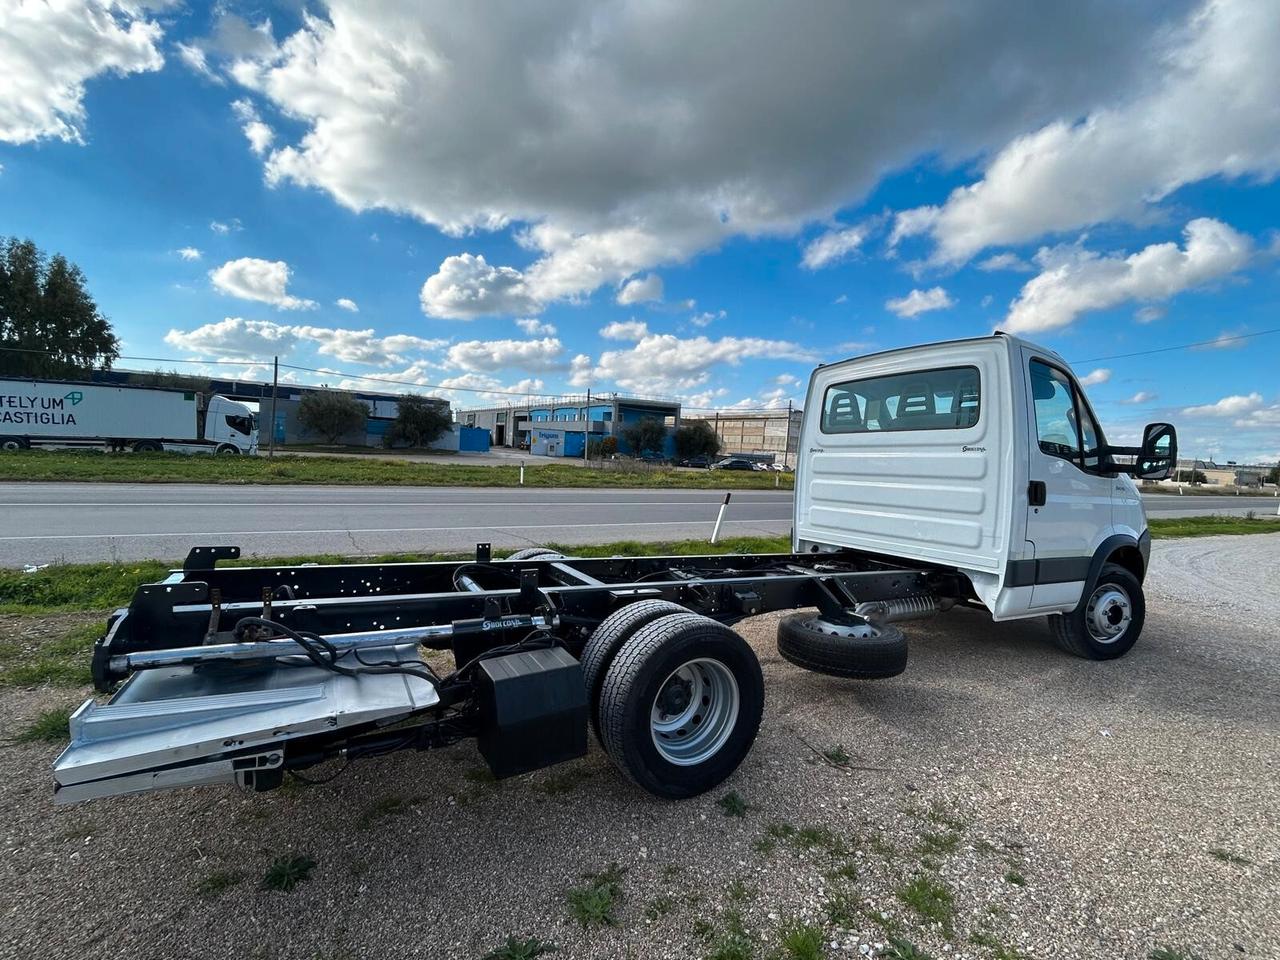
[667, 364]
[466, 287]
[189, 253]
[920, 301]
[625, 330]
[259, 135]
[1232, 406]
[49, 51]
[833, 246]
[644, 289]
[1095, 377]
[1142, 396]
[1073, 280]
[535, 327]
[346, 303]
[489, 355]
[259, 339]
[266, 281]
[1006, 261]
[1209, 109]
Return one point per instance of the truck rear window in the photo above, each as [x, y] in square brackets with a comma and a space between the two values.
[943, 399]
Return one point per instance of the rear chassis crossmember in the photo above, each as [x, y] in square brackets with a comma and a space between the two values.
[198, 700]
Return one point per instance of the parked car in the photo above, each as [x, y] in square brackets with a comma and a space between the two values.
[733, 463]
[701, 460]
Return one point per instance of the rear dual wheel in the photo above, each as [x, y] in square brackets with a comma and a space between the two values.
[679, 702]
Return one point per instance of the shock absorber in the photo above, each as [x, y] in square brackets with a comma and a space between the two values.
[914, 606]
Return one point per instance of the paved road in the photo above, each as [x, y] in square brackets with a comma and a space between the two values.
[80, 522]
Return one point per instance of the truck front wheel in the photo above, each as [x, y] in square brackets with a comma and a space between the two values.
[681, 704]
[12, 443]
[1108, 620]
[147, 446]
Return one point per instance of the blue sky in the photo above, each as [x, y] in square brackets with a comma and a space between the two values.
[696, 201]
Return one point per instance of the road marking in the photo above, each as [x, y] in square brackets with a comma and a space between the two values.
[345, 530]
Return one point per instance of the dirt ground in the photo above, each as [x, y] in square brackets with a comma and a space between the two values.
[998, 800]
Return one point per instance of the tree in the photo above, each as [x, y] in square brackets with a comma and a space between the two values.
[418, 422]
[605, 447]
[697, 438]
[646, 435]
[331, 413]
[1274, 476]
[48, 321]
[1187, 475]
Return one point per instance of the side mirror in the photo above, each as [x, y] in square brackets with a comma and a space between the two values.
[1158, 455]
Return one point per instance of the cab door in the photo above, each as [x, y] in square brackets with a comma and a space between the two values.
[1069, 494]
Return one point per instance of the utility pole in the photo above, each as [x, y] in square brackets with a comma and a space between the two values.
[275, 382]
[586, 424]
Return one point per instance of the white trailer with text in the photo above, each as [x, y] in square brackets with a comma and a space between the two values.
[66, 414]
[965, 473]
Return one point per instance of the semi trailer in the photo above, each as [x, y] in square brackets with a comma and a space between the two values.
[61, 413]
[971, 473]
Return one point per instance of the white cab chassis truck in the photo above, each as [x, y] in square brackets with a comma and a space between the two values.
[965, 473]
[60, 413]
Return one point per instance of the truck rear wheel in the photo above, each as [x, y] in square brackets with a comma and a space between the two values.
[853, 647]
[12, 443]
[607, 639]
[147, 446]
[681, 704]
[1108, 620]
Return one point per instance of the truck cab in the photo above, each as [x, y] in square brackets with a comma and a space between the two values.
[981, 456]
[230, 426]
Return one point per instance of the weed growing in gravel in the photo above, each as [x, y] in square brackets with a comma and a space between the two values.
[843, 910]
[62, 662]
[731, 943]
[903, 949]
[939, 843]
[847, 870]
[659, 906]
[219, 882]
[285, 873]
[801, 941]
[50, 727]
[515, 949]
[810, 838]
[732, 804]
[944, 818]
[930, 899]
[888, 924]
[1226, 856]
[1014, 877]
[1171, 953]
[383, 807]
[566, 781]
[593, 904]
[998, 950]
[836, 754]
[739, 891]
[882, 847]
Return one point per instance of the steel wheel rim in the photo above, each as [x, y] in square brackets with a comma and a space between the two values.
[854, 629]
[1108, 613]
[694, 712]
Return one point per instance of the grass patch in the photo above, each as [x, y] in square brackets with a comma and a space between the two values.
[285, 873]
[930, 899]
[901, 948]
[61, 662]
[1172, 953]
[1226, 856]
[1166, 527]
[739, 891]
[93, 467]
[51, 726]
[999, 951]
[843, 910]
[801, 941]
[730, 942]
[836, 755]
[389, 806]
[732, 804]
[515, 949]
[594, 903]
[939, 843]
[219, 882]
[659, 906]
[70, 587]
[1016, 878]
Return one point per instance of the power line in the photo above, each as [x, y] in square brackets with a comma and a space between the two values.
[1216, 341]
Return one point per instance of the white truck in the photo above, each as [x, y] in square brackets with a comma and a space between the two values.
[968, 473]
[60, 413]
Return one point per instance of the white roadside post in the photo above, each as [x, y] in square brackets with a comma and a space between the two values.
[715, 534]
[522, 473]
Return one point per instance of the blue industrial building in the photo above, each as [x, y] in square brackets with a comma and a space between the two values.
[560, 426]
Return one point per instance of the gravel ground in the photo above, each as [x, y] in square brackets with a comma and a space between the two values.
[1138, 802]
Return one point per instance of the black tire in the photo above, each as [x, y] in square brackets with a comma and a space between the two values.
[607, 639]
[535, 553]
[227, 450]
[1072, 632]
[639, 673]
[147, 446]
[834, 647]
[11, 444]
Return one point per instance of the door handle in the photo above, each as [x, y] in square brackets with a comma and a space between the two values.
[1037, 493]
